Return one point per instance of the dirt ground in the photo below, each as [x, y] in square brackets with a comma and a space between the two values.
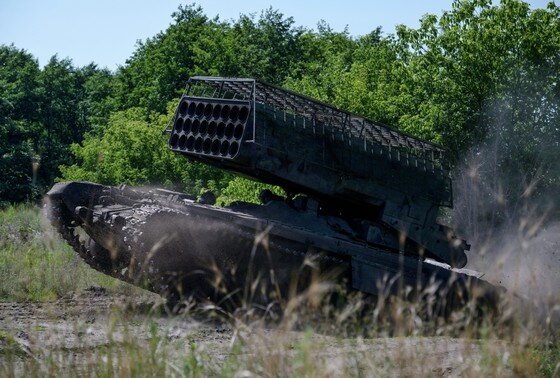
[73, 333]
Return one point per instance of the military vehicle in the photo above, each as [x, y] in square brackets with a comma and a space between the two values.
[361, 205]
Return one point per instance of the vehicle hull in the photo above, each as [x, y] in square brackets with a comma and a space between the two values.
[168, 243]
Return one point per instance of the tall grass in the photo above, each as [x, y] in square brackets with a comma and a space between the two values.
[312, 338]
[35, 263]
[274, 352]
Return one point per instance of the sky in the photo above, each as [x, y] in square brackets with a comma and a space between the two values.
[106, 31]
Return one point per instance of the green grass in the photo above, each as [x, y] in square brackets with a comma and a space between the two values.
[547, 358]
[35, 263]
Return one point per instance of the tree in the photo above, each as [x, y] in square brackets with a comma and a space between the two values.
[42, 112]
[133, 150]
[476, 73]
[19, 75]
[266, 48]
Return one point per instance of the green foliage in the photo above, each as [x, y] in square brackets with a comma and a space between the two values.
[242, 189]
[268, 47]
[18, 97]
[133, 150]
[480, 75]
[441, 81]
[475, 56]
[547, 358]
[476, 72]
[41, 113]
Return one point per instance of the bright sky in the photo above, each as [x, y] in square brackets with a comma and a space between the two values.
[106, 31]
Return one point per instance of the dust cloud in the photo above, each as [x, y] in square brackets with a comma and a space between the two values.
[507, 203]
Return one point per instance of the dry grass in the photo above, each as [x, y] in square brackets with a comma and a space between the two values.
[313, 338]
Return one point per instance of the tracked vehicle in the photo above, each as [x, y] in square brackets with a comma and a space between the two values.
[361, 205]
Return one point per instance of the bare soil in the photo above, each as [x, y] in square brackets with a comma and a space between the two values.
[73, 331]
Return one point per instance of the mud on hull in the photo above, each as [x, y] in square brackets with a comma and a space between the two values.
[168, 243]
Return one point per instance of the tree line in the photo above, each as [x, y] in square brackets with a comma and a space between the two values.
[475, 73]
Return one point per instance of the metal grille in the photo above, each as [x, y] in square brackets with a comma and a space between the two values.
[316, 112]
